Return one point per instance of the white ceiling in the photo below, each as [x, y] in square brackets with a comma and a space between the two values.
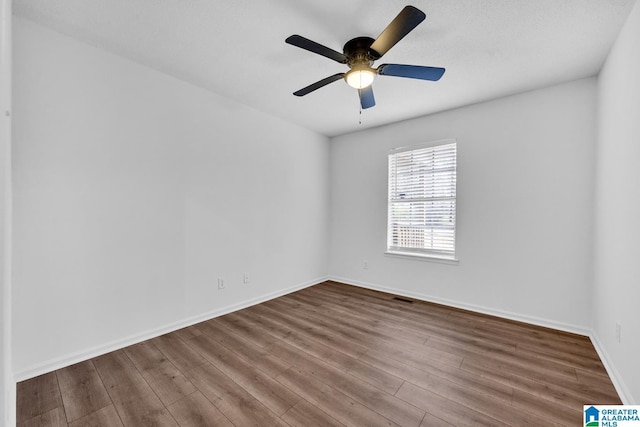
[490, 48]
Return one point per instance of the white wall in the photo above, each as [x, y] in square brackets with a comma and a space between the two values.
[617, 237]
[525, 202]
[134, 192]
[7, 385]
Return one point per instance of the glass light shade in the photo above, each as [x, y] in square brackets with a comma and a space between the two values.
[359, 78]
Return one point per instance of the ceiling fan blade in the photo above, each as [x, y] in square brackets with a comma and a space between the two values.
[314, 47]
[407, 20]
[367, 99]
[318, 84]
[411, 71]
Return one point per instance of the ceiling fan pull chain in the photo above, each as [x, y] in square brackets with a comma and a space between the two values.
[360, 115]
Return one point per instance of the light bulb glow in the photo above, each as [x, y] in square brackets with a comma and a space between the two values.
[359, 78]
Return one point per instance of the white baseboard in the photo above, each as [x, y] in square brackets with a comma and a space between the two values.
[471, 307]
[616, 378]
[67, 360]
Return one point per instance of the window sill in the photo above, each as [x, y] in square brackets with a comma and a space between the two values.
[423, 257]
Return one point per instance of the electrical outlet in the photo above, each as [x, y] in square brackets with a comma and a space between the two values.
[618, 332]
[246, 278]
[365, 264]
[220, 283]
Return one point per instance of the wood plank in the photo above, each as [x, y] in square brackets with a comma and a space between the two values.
[363, 371]
[178, 352]
[187, 333]
[355, 330]
[545, 391]
[363, 322]
[448, 319]
[570, 396]
[431, 421]
[37, 396]
[540, 336]
[82, 390]
[482, 324]
[304, 327]
[387, 303]
[304, 414]
[463, 347]
[162, 376]
[440, 378]
[385, 404]
[52, 418]
[240, 407]
[247, 350]
[438, 407]
[531, 367]
[105, 417]
[264, 388]
[134, 400]
[328, 399]
[483, 403]
[196, 411]
[593, 382]
[562, 414]
[253, 317]
[438, 326]
[565, 356]
[237, 325]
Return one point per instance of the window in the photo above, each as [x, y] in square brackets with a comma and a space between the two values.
[422, 200]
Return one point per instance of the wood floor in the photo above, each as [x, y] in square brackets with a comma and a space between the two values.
[331, 355]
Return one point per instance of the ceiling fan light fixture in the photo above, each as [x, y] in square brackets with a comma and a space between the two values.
[360, 77]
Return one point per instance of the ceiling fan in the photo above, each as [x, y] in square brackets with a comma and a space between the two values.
[361, 52]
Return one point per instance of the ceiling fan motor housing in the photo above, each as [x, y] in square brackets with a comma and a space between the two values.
[358, 51]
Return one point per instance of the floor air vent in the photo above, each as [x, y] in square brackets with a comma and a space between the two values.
[403, 299]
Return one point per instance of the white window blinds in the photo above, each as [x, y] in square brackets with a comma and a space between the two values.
[422, 200]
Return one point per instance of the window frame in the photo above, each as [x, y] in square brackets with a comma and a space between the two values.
[416, 253]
